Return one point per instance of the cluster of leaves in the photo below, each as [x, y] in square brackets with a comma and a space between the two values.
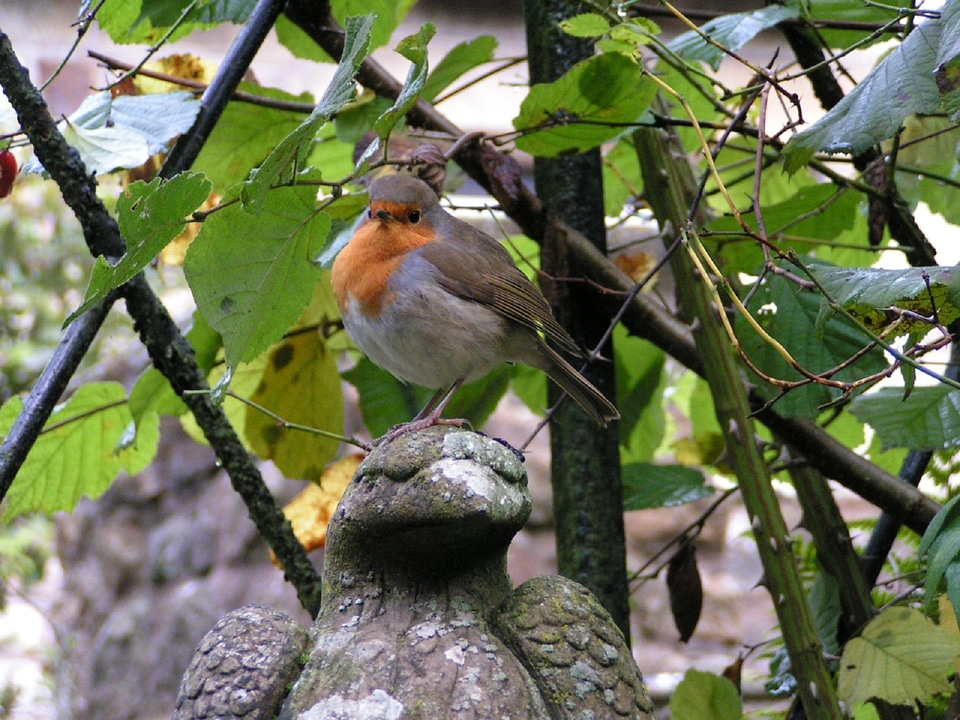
[794, 238]
[267, 328]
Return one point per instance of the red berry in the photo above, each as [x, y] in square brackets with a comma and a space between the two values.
[8, 172]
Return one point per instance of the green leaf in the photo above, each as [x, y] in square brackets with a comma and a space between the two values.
[946, 517]
[414, 49]
[531, 387]
[901, 658]
[298, 42]
[387, 15]
[868, 293]
[702, 413]
[703, 695]
[622, 181]
[152, 391]
[357, 118]
[150, 216]
[159, 117]
[850, 431]
[927, 420]
[116, 17]
[698, 98]
[865, 711]
[245, 135]
[945, 552]
[641, 381]
[585, 25]
[852, 11]
[792, 317]
[333, 158]
[111, 133]
[292, 151]
[206, 342]
[926, 168]
[810, 214]
[731, 31]
[104, 150]
[84, 445]
[827, 610]
[646, 485]
[152, 394]
[586, 107]
[245, 378]
[386, 401]
[148, 21]
[252, 276]
[953, 587]
[460, 60]
[782, 682]
[875, 110]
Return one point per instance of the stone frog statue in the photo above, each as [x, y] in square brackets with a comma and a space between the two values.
[419, 619]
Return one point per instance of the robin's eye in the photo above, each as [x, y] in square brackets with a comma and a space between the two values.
[414, 216]
[369, 212]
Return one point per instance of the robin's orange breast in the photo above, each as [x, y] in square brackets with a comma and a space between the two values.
[362, 271]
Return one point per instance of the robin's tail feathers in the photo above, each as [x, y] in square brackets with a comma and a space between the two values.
[577, 387]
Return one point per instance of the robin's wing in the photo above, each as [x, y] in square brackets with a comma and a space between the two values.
[504, 288]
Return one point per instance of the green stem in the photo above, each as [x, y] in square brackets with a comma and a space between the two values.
[671, 187]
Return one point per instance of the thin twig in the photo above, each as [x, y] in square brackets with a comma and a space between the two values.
[238, 95]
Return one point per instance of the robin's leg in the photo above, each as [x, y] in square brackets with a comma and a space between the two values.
[428, 417]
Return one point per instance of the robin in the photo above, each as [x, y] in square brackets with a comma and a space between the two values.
[436, 302]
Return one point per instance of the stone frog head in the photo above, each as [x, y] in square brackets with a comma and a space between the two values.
[434, 503]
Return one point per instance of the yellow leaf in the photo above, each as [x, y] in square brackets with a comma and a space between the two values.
[174, 253]
[636, 265]
[189, 67]
[309, 513]
[301, 385]
[322, 310]
[901, 658]
[948, 621]
[702, 449]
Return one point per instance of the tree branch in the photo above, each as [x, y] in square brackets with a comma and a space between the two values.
[47, 391]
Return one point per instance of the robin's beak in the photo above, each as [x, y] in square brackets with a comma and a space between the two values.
[383, 215]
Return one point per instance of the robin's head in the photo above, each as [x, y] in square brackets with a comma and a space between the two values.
[402, 198]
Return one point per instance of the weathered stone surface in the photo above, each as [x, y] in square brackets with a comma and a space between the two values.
[242, 667]
[415, 565]
[419, 620]
[578, 656]
[150, 567]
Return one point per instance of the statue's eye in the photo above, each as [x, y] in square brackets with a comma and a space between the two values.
[414, 217]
